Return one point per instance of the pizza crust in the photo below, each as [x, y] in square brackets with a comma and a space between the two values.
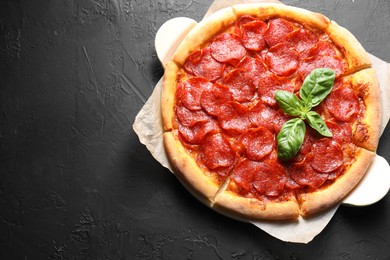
[168, 95]
[266, 11]
[317, 201]
[251, 208]
[366, 132]
[354, 53]
[203, 32]
[203, 186]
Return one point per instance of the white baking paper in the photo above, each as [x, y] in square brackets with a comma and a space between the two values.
[148, 127]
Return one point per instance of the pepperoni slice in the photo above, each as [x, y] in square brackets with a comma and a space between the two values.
[189, 92]
[279, 120]
[226, 48]
[268, 84]
[331, 62]
[252, 35]
[305, 148]
[322, 48]
[291, 184]
[333, 158]
[196, 133]
[189, 118]
[282, 59]
[262, 115]
[258, 142]
[232, 109]
[343, 104]
[228, 68]
[303, 174]
[255, 67]
[277, 31]
[307, 143]
[251, 64]
[342, 132]
[292, 84]
[244, 19]
[271, 179]
[216, 152]
[302, 40]
[240, 85]
[244, 172]
[335, 174]
[214, 99]
[234, 119]
[200, 63]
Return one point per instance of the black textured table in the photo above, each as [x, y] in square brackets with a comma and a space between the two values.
[75, 182]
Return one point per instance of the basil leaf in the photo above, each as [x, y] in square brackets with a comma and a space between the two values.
[289, 102]
[290, 138]
[316, 86]
[316, 122]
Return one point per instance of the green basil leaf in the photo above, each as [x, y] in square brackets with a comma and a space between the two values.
[316, 122]
[290, 138]
[316, 86]
[289, 102]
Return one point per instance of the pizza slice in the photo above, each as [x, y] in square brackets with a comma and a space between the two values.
[353, 116]
[203, 183]
[353, 104]
[333, 190]
[258, 190]
[202, 156]
[348, 57]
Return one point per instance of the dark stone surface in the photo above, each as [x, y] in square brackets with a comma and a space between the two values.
[75, 183]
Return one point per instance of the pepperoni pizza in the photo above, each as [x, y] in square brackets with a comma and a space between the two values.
[221, 119]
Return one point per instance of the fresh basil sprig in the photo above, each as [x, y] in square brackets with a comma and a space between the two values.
[316, 122]
[316, 86]
[289, 103]
[290, 138]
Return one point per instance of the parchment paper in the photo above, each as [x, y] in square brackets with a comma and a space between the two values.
[148, 127]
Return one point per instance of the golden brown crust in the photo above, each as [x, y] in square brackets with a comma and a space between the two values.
[202, 32]
[189, 173]
[354, 53]
[314, 202]
[265, 11]
[251, 208]
[168, 95]
[366, 132]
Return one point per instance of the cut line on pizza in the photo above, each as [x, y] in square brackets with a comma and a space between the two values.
[270, 112]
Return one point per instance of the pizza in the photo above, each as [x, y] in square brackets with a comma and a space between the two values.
[227, 124]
